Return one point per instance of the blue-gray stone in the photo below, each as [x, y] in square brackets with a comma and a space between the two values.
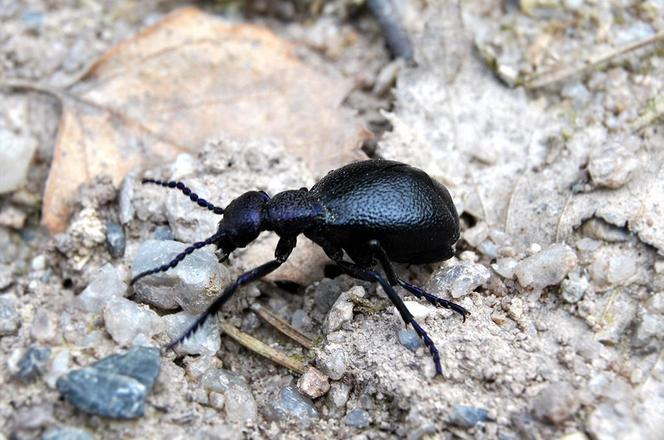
[409, 339]
[115, 239]
[468, 416]
[163, 233]
[140, 363]
[290, 404]
[67, 433]
[357, 418]
[114, 387]
[33, 363]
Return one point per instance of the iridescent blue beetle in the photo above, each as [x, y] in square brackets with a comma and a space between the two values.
[376, 211]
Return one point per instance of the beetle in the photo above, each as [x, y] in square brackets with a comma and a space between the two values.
[375, 211]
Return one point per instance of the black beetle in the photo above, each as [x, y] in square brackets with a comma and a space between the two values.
[375, 210]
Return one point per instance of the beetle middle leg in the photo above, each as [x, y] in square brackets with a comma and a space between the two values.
[284, 248]
[368, 275]
[380, 253]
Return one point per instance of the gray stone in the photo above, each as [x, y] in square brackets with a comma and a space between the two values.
[574, 287]
[130, 324]
[301, 320]
[15, 158]
[409, 339]
[547, 267]
[6, 276]
[206, 340]
[44, 326]
[505, 267]
[125, 199]
[556, 403]
[459, 279]
[468, 416]
[10, 320]
[615, 312]
[33, 363]
[291, 405]
[67, 433]
[163, 233]
[239, 400]
[477, 234]
[357, 418]
[115, 387]
[105, 286]
[333, 363]
[313, 383]
[342, 310]
[115, 239]
[612, 166]
[337, 398]
[193, 284]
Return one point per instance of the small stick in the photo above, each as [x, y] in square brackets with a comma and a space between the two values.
[547, 78]
[653, 110]
[261, 348]
[282, 326]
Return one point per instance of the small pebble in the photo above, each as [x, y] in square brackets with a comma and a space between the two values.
[313, 383]
[59, 366]
[10, 320]
[193, 284]
[128, 323]
[6, 276]
[301, 321]
[357, 418]
[333, 363]
[163, 233]
[409, 339]
[33, 363]
[468, 416]
[556, 403]
[44, 327]
[505, 267]
[459, 279]
[238, 399]
[337, 398]
[615, 313]
[67, 433]
[290, 404]
[115, 239]
[546, 268]
[477, 234]
[574, 287]
[612, 166]
[342, 310]
[116, 386]
[206, 340]
[38, 263]
[106, 285]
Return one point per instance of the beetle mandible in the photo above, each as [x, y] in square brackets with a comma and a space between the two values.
[375, 210]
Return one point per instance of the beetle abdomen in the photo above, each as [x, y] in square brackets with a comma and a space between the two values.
[411, 215]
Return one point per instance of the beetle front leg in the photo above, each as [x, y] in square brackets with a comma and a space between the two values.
[368, 275]
[380, 253]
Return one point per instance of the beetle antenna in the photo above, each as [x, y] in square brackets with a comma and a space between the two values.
[179, 257]
[187, 192]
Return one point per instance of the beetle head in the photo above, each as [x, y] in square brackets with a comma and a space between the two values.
[243, 221]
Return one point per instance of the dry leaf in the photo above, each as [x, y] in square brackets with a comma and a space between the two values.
[186, 79]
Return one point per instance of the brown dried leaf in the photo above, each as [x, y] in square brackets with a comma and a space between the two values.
[189, 78]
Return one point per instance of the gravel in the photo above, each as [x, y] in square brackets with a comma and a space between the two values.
[129, 323]
[116, 386]
[357, 418]
[67, 433]
[556, 403]
[206, 340]
[313, 383]
[104, 287]
[115, 239]
[409, 339]
[193, 284]
[459, 278]
[546, 268]
[33, 363]
[10, 320]
[289, 404]
[333, 362]
[240, 404]
[468, 416]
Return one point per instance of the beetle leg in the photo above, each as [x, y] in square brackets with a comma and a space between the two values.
[283, 251]
[368, 275]
[380, 253]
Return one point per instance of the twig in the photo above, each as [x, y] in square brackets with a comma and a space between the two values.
[18, 84]
[261, 348]
[282, 326]
[547, 78]
[652, 111]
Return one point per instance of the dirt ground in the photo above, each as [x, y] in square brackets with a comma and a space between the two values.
[543, 118]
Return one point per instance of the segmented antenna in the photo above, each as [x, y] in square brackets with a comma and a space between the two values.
[187, 192]
[179, 257]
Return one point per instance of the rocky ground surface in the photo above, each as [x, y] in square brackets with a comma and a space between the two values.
[539, 116]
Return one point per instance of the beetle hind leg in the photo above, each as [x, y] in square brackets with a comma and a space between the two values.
[368, 275]
[380, 253]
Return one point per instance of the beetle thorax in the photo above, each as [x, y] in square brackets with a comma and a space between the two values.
[289, 213]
